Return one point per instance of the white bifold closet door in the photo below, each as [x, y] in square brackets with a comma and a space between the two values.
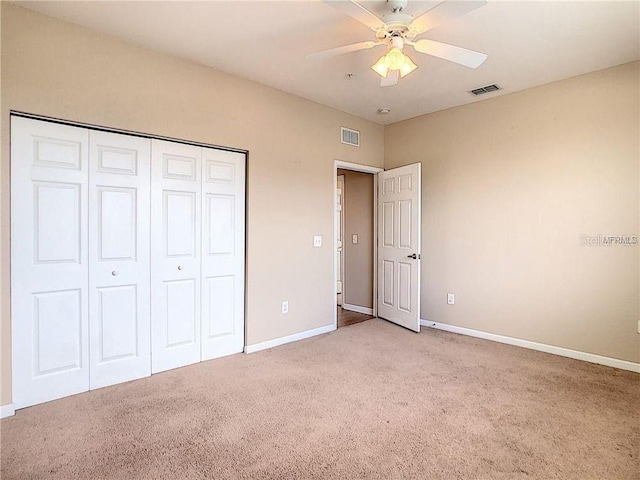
[198, 204]
[119, 290]
[127, 257]
[80, 259]
[49, 267]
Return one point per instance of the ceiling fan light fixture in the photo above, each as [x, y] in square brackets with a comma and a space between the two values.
[407, 67]
[394, 59]
[380, 67]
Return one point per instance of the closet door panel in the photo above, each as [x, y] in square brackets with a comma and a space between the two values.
[223, 252]
[119, 237]
[181, 312]
[175, 244]
[49, 287]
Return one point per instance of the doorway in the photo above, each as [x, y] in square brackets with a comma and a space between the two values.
[355, 243]
[397, 222]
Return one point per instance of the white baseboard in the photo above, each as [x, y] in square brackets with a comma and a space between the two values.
[541, 347]
[7, 410]
[357, 308]
[288, 339]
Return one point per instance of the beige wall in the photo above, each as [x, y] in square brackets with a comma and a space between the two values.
[58, 69]
[509, 185]
[358, 219]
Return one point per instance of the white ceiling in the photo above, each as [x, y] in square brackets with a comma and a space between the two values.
[529, 43]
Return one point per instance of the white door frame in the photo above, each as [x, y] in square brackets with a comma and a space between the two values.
[355, 167]
[341, 262]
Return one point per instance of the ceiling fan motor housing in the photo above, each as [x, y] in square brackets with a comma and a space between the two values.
[396, 24]
[397, 41]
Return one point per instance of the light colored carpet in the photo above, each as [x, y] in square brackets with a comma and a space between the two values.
[367, 401]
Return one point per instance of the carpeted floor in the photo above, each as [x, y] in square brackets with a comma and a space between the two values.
[367, 401]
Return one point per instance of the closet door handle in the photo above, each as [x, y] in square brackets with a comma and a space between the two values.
[179, 267]
[115, 273]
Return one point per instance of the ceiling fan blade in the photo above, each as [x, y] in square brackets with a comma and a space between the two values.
[357, 12]
[460, 55]
[354, 47]
[442, 13]
[391, 79]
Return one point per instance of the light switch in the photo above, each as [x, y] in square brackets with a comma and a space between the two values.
[354, 238]
[317, 240]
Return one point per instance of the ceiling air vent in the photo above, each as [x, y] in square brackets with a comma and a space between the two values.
[350, 137]
[486, 89]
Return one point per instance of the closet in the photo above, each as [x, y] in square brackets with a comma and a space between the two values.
[127, 257]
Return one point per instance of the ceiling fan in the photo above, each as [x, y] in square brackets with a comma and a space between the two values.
[397, 29]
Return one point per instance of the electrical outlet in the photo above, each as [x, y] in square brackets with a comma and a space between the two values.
[638, 326]
[354, 238]
[317, 240]
[285, 307]
[451, 299]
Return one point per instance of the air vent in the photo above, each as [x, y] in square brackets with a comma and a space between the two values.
[350, 137]
[483, 90]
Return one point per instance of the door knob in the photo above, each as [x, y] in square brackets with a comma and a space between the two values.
[114, 273]
[414, 256]
[179, 267]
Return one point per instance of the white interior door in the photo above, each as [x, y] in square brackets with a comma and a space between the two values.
[49, 272]
[175, 254]
[399, 246]
[339, 234]
[223, 199]
[119, 204]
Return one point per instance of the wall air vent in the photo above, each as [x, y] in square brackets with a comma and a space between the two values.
[486, 89]
[350, 137]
